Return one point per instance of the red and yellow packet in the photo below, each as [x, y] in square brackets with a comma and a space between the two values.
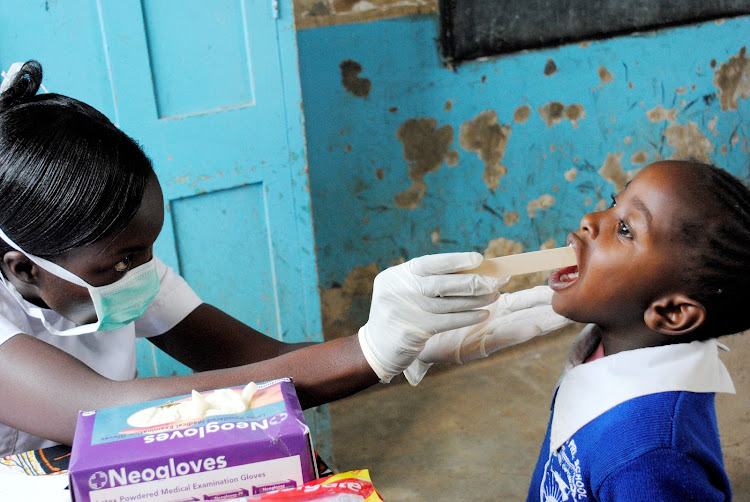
[351, 485]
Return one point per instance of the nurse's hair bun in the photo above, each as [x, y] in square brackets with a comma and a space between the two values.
[22, 85]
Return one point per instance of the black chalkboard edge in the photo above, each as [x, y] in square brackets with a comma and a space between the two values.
[454, 54]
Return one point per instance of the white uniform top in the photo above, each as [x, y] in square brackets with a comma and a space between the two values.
[109, 353]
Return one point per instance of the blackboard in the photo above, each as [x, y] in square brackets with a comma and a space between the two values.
[471, 29]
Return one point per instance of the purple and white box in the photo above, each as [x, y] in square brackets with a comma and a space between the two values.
[193, 459]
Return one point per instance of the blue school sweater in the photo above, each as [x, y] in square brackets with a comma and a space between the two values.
[637, 425]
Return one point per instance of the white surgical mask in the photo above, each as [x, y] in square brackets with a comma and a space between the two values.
[117, 304]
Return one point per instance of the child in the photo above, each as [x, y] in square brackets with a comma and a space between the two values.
[80, 210]
[661, 274]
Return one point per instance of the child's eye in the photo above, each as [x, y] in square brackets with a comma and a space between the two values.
[123, 265]
[614, 200]
[622, 229]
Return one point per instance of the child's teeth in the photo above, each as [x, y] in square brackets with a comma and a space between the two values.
[569, 277]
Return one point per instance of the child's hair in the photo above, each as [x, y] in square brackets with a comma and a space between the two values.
[717, 265]
[68, 176]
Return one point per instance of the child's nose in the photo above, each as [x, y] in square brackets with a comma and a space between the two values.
[589, 224]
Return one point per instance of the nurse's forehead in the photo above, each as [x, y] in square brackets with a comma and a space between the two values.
[140, 233]
[120, 244]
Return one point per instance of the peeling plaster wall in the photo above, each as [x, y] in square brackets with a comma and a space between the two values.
[408, 158]
[504, 155]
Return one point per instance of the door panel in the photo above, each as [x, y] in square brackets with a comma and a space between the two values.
[218, 40]
[230, 217]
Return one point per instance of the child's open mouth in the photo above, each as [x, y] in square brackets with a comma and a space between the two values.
[563, 278]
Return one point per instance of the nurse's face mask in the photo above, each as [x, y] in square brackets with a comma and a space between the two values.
[117, 304]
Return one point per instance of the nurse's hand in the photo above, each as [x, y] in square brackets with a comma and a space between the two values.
[514, 318]
[415, 300]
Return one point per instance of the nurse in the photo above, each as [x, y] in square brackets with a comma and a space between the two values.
[80, 209]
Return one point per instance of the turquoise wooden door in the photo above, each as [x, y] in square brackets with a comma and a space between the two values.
[211, 90]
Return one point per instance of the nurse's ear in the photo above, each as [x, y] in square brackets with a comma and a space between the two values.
[20, 267]
[675, 314]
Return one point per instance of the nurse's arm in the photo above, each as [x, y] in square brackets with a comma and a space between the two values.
[43, 388]
[208, 339]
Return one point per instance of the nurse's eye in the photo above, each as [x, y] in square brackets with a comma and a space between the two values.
[614, 200]
[123, 265]
[622, 229]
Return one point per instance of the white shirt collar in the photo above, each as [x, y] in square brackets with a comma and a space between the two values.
[586, 391]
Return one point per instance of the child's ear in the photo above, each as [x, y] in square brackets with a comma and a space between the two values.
[20, 266]
[675, 314]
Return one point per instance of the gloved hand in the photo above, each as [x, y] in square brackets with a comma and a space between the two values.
[415, 300]
[514, 318]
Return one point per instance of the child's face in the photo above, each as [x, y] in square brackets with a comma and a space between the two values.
[104, 261]
[628, 255]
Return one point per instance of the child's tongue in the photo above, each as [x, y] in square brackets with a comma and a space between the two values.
[563, 278]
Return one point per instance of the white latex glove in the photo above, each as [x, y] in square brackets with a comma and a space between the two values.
[414, 300]
[514, 318]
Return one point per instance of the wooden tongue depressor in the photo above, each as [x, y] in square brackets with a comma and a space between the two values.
[525, 263]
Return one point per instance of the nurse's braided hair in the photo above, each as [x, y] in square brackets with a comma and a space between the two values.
[68, 176]
[717, 265]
